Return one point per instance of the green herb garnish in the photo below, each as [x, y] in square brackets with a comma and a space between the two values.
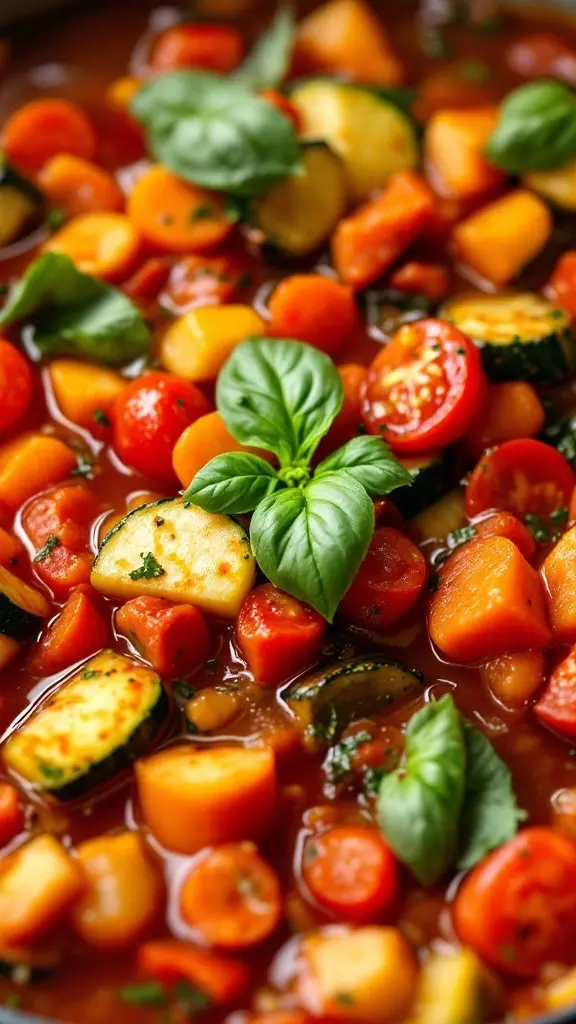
[149, 569]
[536, 129]
[101, 418]
[52, 542]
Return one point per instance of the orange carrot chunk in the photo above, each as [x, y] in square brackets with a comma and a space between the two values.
[346, 36]
[103, 244]
[454, 146]
[511, 410]
[314, 308]
[221, 978]
[38, 884]
[30, 463]
[559, 575]
[78, 632]
[501, 238]
[176, 216]
[172, 637]
[85, 393]
[489, 600]
[202, 441]
[78, 186]
[43, 128]
[351, 872]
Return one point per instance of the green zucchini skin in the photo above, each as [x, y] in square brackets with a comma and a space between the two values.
[22, 607]
[431, 480]
[21, 204]
[521, 337]
[17, 622]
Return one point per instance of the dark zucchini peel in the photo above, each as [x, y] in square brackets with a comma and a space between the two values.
[22, 608]
[20, 204]
[430, 481]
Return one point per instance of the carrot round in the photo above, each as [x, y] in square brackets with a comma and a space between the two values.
[78, 186]
[314, 308]
[511, 410]
[232, 897]
[201, 442]
[176, 216]
[221, 978]
[172, 637]
[79, 630]
[351, 872]
[103, 244]
[43, 128]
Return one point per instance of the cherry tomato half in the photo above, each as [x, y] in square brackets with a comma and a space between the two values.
[148, 417]
[425, 388]
[525, 477]
[388, 583]
[517, 909]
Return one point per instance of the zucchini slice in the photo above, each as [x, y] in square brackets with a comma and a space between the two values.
[326, 701]
[558, 186]
[373, 137]
[177, 551]
[453, 989]
[440, 519]
[430, 481]
[20, 203]
[301, 211]
[98, 721]
[22, 607]
[522, 337]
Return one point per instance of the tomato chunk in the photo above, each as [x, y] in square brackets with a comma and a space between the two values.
[517, 909]
[58, 524]
[425, 388]
[389, 581]
[504, 524]
[15, 385]
[557, 705]
[278, 635]
[562, 285]
[525, 477]
[351, 872]
[197, 45]
[78, 631]
[172, 637]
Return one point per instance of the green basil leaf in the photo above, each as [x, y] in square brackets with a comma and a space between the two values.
[369, 460]
[214, 132]
[490, 814]
[536, 129]
[232, 484]
[266, 66]
[76, 314]
[419, 803]
[279, 395]
[310, 540]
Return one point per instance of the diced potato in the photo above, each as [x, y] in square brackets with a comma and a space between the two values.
[197, 345]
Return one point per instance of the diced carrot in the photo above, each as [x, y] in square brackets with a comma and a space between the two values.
[85, 393]
[191, 798]
[220, 977]
[368, 242]
[454, 144]
[511, 410]
[562, 285]
[194, 44]
[501, 238]
[146, 282]
[78, 631]
[43, 128]
[514, 678]
[38, 884]
[346, 36]
[11, 813]
[79, 186]
[10, 547]
[489, 601]
[559, 575]
[197, 345]
[172, 637]
[346, 424]
[232, 897]
[350, 871]
[103, 244]
[203, 441]
[283, 104]
[429, 279]
[58, 524]
[121, 91]
[29, 463]
[176, 216]
[314, 308]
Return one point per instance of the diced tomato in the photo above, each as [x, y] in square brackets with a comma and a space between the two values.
[79, 630]
[424, 388]
[429, 279]
[148, 418]
[387, 584]
[58, 524]
[146, 283]
[203, 281]
[351, 872]
[15, 385]
[278, 635]
[517, 909]
[557, 705]
[562, 285]
[167, 961]
[525, 477]
[543, 55]
[11, 813]
[504, 524]
[197, 45]
[172, 637]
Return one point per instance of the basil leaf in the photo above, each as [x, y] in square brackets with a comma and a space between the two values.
[214, 132]
[370, 462]
[536, 130]
[76, 314]
[419, 803]
[490, 814]
[310, 541]
[279, 395]
[232, 484]
[266, 66]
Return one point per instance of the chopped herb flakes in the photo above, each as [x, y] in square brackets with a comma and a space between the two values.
[339, 761]
[52, 542]
[183, 689]
[84, 464]
[202, 212]
[149, 569]
[547, 532]
[144, 993]
[101, 418]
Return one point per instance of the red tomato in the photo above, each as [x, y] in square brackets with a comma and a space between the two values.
[517, 908]
[562, 285]
[15, 385]
[425, 388]
[524, 477]
[148, 417]
[389, 581]
[197, 45]
[203, 281]
[503, 524]
[543, 55]
[351, 872]
[65, 515]
[278, 635]
[146, 282]
[557, 705]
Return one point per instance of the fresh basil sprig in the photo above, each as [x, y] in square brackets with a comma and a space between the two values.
[76, 314]
[311, 528]
[266, 66]
[215, 132]
[450, 801]
[536, 129]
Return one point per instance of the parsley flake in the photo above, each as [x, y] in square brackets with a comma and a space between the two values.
[52, 542]
[149, 569]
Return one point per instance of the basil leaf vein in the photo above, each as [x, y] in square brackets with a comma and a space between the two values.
[279, 395]
[536, 129]
[266, 66]
[233, 483]
[369, 460]
[311, 540]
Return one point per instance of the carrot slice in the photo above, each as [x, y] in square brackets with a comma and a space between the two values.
[172, 637]
[30, 463]
[103, 244]
[174, 215]
[351, 872]
[85, 393]
[202, 441]
[220, 977]
[43, 128]
[79, 186]
[79, 630]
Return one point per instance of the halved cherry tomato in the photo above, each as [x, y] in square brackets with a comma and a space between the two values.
[389, 581]
[197, 45]
[351, 872]
[525, 477]
[148, 418]
[517, 909]
[203, 281]
[278, 635]
[425, 388]
[504, 524]
[557, 705]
